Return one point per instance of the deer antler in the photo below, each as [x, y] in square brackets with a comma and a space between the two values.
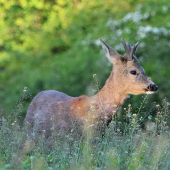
[130, 51]
[136, 46]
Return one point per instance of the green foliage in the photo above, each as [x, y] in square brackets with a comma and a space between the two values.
[55, 45]
[124, 146]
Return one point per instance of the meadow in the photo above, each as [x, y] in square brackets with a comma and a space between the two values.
[140, 141]
[54, 45]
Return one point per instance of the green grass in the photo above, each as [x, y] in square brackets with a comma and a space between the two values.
[125, 145]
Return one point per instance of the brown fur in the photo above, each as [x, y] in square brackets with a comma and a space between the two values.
[60, 111]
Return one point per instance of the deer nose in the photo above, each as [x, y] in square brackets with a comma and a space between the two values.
[152, 87]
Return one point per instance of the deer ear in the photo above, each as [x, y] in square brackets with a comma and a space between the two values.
[111, 54]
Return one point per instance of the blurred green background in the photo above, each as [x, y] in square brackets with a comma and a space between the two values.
[54, 44]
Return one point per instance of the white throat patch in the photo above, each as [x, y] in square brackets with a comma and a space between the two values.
[149, 92]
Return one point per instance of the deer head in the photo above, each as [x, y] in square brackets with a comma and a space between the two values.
[128, 74]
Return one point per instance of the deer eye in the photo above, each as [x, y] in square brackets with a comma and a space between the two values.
[133, 72]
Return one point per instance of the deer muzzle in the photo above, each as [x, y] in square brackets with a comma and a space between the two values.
[152, 88]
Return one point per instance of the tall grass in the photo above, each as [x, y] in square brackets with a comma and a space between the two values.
[125, 145]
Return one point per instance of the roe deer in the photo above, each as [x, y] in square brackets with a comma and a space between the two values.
[127, 77]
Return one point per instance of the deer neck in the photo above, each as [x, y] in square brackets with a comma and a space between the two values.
[105, 102]
[110, 97]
